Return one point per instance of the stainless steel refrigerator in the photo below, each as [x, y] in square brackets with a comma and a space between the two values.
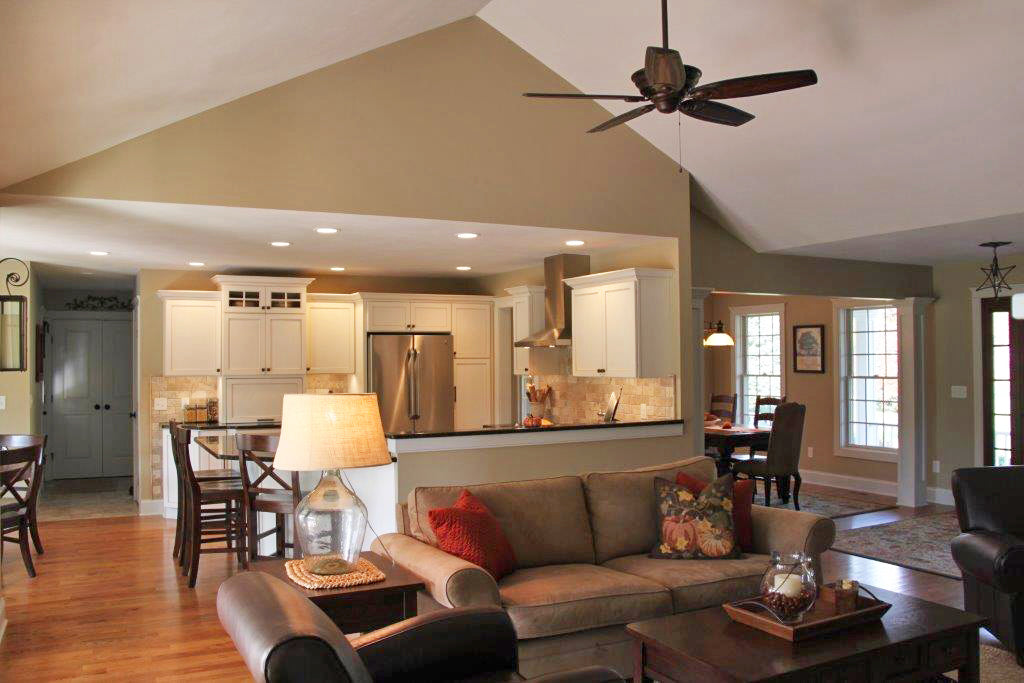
[413, 377]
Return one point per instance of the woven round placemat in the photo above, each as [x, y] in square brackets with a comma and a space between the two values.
[366, 573]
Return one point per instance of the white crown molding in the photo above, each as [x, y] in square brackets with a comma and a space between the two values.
[624, 275]
[191, 294]
[262, 280]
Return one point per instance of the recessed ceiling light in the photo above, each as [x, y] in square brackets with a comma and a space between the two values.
[327, 231]
[196, 263]
[463, 268]
[337, 269]
[99, 253]
[467, 235]
[280, 244]
[574, 243]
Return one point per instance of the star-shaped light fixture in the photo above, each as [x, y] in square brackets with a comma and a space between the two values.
[995, 277]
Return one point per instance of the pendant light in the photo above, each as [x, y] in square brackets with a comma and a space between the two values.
[995, 276]
[718, 336]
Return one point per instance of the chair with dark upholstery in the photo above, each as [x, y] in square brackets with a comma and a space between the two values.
[782, 460]
[283, 638]
[990, 549]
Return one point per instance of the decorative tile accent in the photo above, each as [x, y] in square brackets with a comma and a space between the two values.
[330, 384]
[174, 390]
[580, 399]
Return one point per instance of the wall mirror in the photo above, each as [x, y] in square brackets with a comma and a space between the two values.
[13, 333]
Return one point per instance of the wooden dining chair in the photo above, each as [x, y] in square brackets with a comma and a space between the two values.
[257, 473]
[782, 460]
[19, 476]
[201, 475]
[214, 512]
[723, 406]
[8, 441]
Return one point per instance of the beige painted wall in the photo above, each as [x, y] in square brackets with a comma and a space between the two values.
[816, 391]
[22, 392]
[951, 430]
[723, 262]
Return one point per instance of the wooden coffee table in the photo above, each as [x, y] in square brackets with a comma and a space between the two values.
[360, 608]
[913, 641]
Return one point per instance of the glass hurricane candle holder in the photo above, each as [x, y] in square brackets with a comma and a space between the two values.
[789, 587]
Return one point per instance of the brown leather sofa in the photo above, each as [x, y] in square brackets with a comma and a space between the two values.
[284, 638]
[990, 549]
[582, 545]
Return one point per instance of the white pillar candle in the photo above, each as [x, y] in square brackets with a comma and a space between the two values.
[789, 585]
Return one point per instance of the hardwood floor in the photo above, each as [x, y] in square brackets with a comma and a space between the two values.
[109, 605]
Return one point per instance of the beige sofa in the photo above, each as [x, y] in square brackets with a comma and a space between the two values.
[582, 544]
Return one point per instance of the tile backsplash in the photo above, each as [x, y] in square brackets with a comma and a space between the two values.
[579, 399]
[168, 397]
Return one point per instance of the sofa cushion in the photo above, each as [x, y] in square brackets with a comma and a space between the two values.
[545, 520]
[563, 598]
[696, 584]
[622, 509]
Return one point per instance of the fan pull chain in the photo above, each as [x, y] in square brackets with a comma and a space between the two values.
[679, 128]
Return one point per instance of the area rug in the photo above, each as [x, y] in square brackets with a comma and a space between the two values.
[916, 543]
[834, 505]
[997, 666]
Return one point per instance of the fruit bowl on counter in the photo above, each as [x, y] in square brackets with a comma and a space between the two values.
[532, 422]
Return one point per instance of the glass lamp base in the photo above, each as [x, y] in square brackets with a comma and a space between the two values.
[331, 523]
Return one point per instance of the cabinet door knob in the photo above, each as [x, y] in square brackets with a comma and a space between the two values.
[268, 369]
[600, 369]
[218, 370]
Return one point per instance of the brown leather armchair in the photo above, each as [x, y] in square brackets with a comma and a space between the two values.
[990, 549]
[283, 638]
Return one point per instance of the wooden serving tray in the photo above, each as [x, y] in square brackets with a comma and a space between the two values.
[820, 620]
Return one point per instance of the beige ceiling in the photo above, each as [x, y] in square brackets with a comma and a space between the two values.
[916, 121]
[82, 75]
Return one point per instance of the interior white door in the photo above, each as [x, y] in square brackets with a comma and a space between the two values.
[430, 316]
[620, 343]
[472, 330]
[117, 398]
[286, 344]
[473, 395]
[588, 332]
[243, 344]
[77, 443]
[330, 332]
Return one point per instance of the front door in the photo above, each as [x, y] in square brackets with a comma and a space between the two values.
[1002, 340]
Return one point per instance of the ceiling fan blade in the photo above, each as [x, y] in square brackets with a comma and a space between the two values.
[622, 118]
[755, 85]
[581, 96]
[715, 112]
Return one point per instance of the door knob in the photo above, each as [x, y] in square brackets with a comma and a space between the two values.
[106, 406]
[96, 407]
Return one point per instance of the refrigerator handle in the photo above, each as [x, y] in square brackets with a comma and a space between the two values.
[413, 384]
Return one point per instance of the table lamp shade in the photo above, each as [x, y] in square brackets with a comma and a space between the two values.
[330, 431]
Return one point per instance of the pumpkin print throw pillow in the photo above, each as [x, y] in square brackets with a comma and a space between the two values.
[695, 527]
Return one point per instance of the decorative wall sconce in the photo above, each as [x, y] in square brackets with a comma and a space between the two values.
[14, 321]
[717, 336]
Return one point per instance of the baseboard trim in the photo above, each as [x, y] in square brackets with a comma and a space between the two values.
[865, 485]
[151, 506]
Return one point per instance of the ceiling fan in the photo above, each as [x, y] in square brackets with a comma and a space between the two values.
[668, 85]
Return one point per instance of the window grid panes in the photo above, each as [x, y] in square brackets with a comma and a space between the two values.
[760, 361]
[1001, 416]
[872, 377]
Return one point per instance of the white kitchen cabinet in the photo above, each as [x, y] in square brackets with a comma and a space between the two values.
[252, 399]
[387, 316]
[471, 327]
[244, 346]
[621, 322]
[285, 344]
[330, 332]
[252, 294]
[527, 319]
[191, 333]
[430, 316]
[473, 394]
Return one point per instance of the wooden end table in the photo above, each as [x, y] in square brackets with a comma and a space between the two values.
[915, 640]
[360, 608]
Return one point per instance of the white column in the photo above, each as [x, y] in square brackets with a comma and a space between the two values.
[912, 471]
[698, 295]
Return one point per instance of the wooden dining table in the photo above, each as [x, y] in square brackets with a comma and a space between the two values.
[726, 441]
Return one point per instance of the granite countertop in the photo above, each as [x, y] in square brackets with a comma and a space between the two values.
[506, 429]
[262, 424]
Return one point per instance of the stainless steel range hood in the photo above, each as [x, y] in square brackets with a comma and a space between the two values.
[557, 301]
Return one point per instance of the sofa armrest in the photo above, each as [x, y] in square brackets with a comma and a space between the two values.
[450, 580]
[446, 645]
[991, 557]
[791, 531]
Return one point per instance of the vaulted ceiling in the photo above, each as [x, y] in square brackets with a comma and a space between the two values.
[914, 128]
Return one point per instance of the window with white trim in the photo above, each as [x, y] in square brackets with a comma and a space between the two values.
[870, 377]
[758, 357]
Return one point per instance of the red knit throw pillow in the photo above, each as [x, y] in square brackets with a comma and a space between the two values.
[742, 499]
[469, 530]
